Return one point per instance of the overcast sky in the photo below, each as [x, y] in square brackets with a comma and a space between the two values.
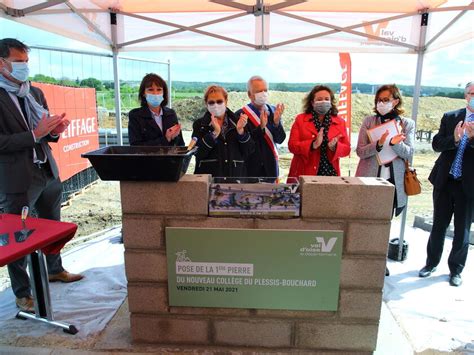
[451, 68]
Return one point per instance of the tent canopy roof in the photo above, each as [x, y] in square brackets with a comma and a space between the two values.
[285, 25]
[186, 6]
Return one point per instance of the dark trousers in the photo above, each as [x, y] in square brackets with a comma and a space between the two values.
[448, 201]
[44, 195]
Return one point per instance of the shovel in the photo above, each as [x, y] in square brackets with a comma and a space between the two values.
[22, 235]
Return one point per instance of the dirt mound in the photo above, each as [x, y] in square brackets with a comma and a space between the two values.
[430, 110]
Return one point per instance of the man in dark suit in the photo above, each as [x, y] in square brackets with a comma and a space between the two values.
[453, 180]
[28, 171]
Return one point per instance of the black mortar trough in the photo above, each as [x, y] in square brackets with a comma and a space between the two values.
[140, 163]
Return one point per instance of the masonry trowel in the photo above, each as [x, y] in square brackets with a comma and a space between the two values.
[22, 235]
[4, 239]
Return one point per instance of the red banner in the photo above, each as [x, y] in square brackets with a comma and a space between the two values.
[82, 135]
[345, 97]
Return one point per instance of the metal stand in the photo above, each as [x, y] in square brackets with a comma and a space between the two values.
[401, 239]
[40, 289]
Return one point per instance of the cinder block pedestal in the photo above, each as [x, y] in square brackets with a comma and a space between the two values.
[361, 207]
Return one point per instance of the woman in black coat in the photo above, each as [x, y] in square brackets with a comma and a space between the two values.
[222, 139]
[153, 123]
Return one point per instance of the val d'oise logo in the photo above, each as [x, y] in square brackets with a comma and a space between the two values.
[320, 246]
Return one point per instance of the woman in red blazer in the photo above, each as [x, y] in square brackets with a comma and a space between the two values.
[318, 136]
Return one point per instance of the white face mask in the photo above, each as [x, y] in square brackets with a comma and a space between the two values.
[384, 107]
[261, 98]
[217, 109]
[20, 70]
[471, 103]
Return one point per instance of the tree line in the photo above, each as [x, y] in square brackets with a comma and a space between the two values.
[199, 87]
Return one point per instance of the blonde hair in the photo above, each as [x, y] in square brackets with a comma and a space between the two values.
[214, 88]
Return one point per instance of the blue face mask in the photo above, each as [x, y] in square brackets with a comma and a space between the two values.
[471, 102]
[154, 100]
[20, 71]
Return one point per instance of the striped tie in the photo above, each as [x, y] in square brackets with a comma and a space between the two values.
[456, 168]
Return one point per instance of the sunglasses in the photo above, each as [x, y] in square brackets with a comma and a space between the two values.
[212, 103]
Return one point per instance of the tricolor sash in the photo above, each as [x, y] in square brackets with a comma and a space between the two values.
[255, 119]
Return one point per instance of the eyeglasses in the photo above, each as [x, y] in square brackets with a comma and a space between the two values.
[384, 100]
[212, 103]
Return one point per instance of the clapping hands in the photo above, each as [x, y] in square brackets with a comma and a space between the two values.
[397, 138]
[55, 125]
[280, 108]
[242, 123]
[319, 139]
[263, 118]
[333, 142]
[173, 132]
[215, 125]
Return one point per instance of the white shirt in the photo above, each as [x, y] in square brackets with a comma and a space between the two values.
[158, 118]
[385, 172]
[468, 112]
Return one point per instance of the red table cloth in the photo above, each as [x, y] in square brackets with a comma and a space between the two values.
[48, 235]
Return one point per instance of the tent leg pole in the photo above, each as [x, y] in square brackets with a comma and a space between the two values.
[414, 114]
[118, 109]
[170, 104]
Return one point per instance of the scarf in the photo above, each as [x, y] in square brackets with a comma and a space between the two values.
[389, 116]
[325, 166]
[34, 111]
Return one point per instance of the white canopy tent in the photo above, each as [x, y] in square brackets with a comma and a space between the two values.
[377, 26]
[286, 25]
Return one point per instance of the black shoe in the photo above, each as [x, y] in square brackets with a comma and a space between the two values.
[426, 271]
[455, 280]
[387, 271]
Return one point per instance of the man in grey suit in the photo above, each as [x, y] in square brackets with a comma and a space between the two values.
[28, 171]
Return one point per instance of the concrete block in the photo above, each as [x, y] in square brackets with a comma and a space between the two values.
[23, 350]
[145, 266]
[350, 337]
[426, 224]
[367, 272]
[346, 197]
[360, 304]
[166, 330]
[147, 298]
[188, 196]
[253, 333]
[300, 224]
[203, 311]
[210, 222]
[142, 232]
[367, 238]
[275, 313]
